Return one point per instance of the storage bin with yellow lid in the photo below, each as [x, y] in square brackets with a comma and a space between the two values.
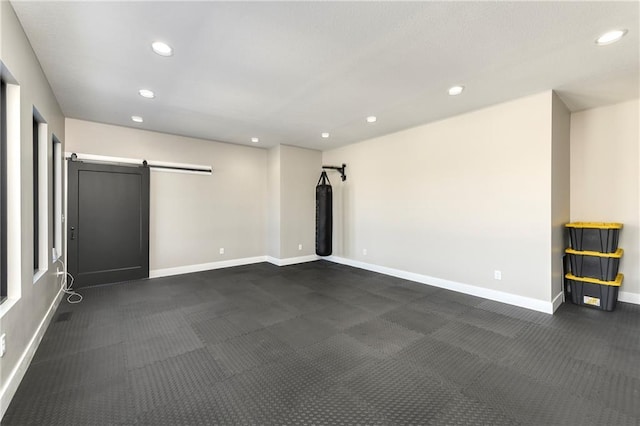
[593, 264]
[594, 236]
[594, 293]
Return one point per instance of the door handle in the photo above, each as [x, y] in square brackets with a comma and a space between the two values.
[73, 233]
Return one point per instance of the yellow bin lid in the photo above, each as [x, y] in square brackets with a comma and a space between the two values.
[617, 255]
[594, 225]
[616, 283]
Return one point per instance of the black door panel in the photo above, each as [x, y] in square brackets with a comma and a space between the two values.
[108, 226]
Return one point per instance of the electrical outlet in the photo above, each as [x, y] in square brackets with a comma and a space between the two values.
[299, 246]
[3, 344]
[221, 250]
[364, 252]
[497, 275]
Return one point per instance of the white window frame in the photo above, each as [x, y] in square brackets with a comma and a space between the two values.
[57, 197]
[43, 197]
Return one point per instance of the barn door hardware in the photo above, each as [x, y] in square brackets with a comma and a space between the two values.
[157, 165]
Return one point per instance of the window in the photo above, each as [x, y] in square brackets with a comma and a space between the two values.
[36, 193]
[56, 206]
[10, 191]
[3, 190]
[40, 196]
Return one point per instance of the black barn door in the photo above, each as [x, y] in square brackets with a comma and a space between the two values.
[108, 223]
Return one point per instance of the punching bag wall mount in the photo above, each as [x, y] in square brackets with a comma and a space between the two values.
[343, 174]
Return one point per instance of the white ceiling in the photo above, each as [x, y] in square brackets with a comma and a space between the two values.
[287, 71]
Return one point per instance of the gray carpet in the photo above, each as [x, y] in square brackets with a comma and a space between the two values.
[321, 343]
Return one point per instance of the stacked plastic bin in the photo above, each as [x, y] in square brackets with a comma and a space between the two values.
[594, 258]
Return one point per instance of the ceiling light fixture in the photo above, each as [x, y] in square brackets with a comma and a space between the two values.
[325, 135]
[146, 93]
[371, 119]
[255, 140]
[610, 37]
[136, 118]
[162, 49]
[455, 90]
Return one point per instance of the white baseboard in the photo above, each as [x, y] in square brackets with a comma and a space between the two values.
[292, 260]
[557, 301]
[187, 269]
[627, 297]
[498, 296]
[10, 387]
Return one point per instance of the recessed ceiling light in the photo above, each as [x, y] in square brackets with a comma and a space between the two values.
[162, 49]
[136, 118]
[455, 90]
[610, 37]
[371, 119]
[255, 140]
[325, 135]
[146, 93]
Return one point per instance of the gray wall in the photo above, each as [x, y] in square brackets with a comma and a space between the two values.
[192, 216]
[560, 190]
[29, 302]
[457, 199]
[257, 202]
[293, 174]
[605, 179]
[300, 169]
[273, 217]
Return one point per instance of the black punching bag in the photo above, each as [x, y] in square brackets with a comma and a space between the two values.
[324, 216]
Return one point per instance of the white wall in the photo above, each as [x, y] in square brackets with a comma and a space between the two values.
[605, 164]
[456, 199]
[24, 317]
[191, 216]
